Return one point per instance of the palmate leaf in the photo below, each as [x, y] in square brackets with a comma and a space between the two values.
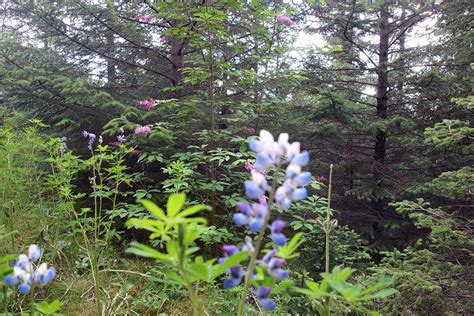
[49, 309]
[288, 251]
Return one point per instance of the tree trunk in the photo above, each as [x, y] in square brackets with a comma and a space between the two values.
[382, 100]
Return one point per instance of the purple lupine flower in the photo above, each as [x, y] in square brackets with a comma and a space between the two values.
[263, 293]
[271, 154]
[25, 273]
[284, 20]
[91, 137]
[253, 216]
[236, 274]
[276, 230]
[228, 251]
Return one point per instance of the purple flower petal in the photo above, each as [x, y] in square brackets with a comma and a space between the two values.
[303, 178]
[280, 274]
[240, 219]
[301, 159]
[24, 288]
[279, 239]
[267, 304]
[256, 224]
[252, 191]
[263, 292]
[299, 194]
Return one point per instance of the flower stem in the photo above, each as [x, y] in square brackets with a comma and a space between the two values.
[258, 244]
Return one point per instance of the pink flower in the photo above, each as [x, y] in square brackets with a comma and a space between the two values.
[144, 18]
[251, 130]
[165, 38]
[142, 130]
[136, 152]
[250, 166]
[147, 104]
[284, 20]
[321, 178]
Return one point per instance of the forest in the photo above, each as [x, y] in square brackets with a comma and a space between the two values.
[236, 157]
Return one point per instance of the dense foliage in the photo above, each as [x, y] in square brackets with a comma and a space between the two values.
[112, 109]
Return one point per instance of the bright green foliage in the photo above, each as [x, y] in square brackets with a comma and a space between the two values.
[335, 293]
[179, 231]
[49, 308]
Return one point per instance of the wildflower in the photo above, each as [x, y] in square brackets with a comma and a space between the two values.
[273, 265]
[165, 39]
[271, 154]
[25, 273]
[235, 276]
[144, 18]
[251, 130]
[321, 178]
[263, 292]
[121, 138]
[276, 229]
[142, 131]
[34, 253]
[253, 216]
[63, 147]
[147, 104]
[284, 20]
[228, 251]
[91, 137]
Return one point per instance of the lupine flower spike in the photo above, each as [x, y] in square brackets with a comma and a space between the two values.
[91, 137]
[26, 273]
[270, 155]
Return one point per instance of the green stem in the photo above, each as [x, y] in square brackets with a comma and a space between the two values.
[258, 244]
[327, 300]
[328, 218]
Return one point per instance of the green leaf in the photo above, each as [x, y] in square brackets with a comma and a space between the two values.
[193, 210]
[154, 209]
[175, 203]
[48, 309]
[229, 262]
[147, 252]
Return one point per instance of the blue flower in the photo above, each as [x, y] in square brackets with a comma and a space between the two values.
[24, 271]
[263, 292]
[34, 253]
[276, 229]
[252, 191]
[24, 288]
[235, 276]
[301, 159]
[10, 280]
